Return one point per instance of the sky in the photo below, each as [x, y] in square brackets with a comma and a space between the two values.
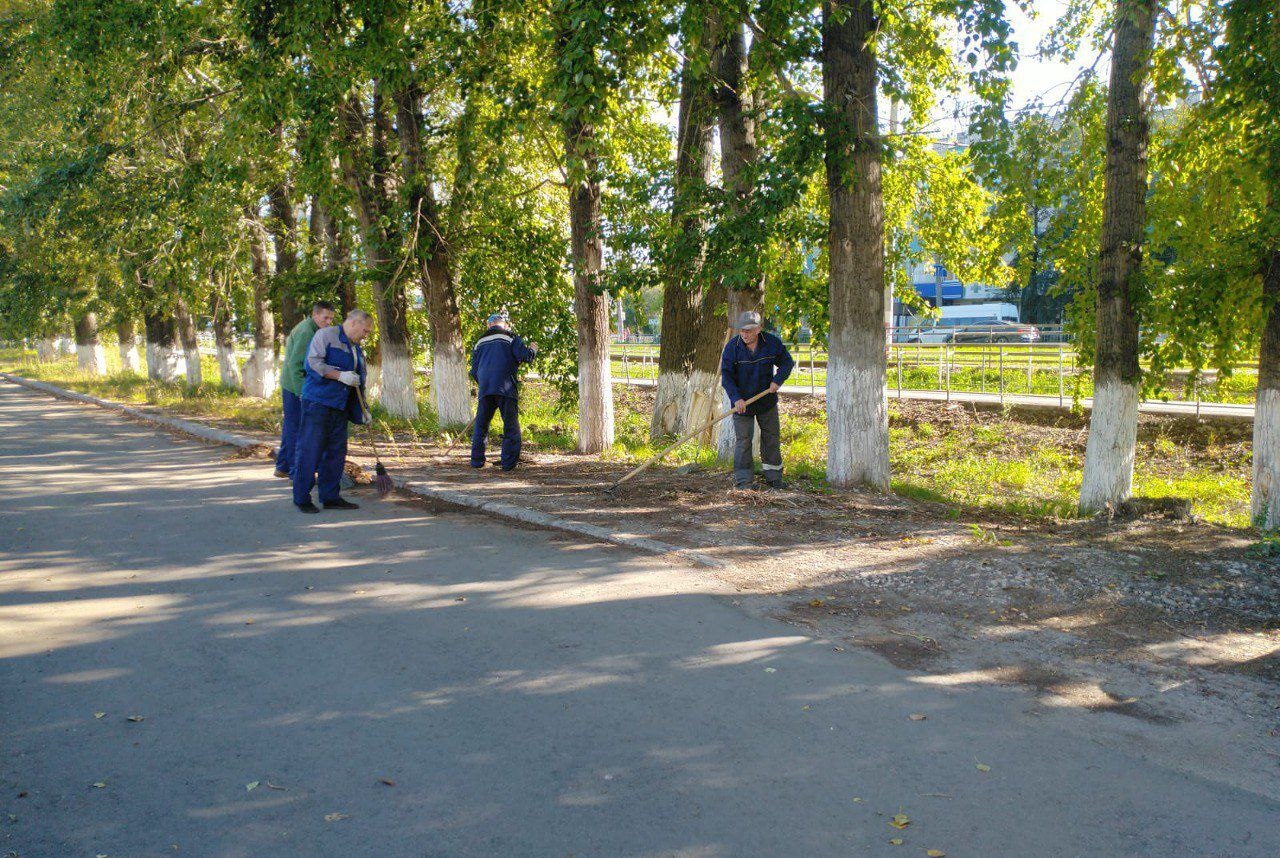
[1049, 80]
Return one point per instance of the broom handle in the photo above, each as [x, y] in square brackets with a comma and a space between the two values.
[642, 468]
[368, 426]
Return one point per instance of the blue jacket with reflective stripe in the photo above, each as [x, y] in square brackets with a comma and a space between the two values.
[744, 373]
[494, 360]
[341, 354]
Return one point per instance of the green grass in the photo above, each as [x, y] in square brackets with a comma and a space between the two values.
[996, 464]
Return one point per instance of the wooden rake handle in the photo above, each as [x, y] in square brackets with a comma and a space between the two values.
[703, 428]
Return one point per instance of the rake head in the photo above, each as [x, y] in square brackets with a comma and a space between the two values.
[382, 480]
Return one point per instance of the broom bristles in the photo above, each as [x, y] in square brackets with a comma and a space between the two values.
[382, 482]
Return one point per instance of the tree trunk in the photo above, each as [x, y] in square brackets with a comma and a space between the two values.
[857, 402]
[450, 388]
[261, 370]
[224, 340]
[190, 343]
[365, 168]
[1266, 419]
[739, 155]
[283, 225]
[127, 334]
[595, 385]
[1113, 425]
[90, 356]
[683, 289]
[165, 360]
[47, 349]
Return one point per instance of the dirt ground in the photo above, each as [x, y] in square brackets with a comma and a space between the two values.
[1149, 615]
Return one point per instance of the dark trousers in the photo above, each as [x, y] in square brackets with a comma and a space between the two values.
[744, 429]
[288, 449]
[322, 451]
[509, 407]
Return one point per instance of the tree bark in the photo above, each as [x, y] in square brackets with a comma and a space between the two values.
[337, 254]
[1266, 420]
[684, 291]
[165, 360]
[224, 340]
[739, 154]
[1113, 424]
[595, 384]
[190, 343]
[857, 402]
[366, 165]
[283, 225]
[127, 334]
[90, 356]
[261, 371]
[450, 388]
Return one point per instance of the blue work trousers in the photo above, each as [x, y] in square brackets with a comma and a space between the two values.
[509, 407]
[288, 449]
[322, 452]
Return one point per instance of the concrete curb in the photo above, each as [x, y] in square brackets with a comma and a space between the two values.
[449, 496]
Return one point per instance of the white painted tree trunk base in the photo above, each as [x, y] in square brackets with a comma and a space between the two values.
[92, 359]
[195, 374]
[1266, 460]
[397, 383]
[47, 350]
[858, 427]
[373, 382]
[261, 374]
[130, 359]
[1109, 453]
[165, 363]
[450, 390]
[595, 405]
[66, 346]
[703, 396]
[668, 404]
[228, 368]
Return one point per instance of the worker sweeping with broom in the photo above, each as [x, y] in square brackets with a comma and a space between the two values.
[332, 396]
[753, 366]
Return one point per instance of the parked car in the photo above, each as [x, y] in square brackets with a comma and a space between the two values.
[996, 332]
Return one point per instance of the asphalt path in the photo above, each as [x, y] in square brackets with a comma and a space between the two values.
[189, 667]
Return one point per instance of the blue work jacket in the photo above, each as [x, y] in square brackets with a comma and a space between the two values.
[334, 350]
[494, 361]
[744, 373]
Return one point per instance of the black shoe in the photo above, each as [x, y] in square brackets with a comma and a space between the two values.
[307, 507]
[742, 485]
[776, 484]
[284, 475]
[479, 466]
[340, 503]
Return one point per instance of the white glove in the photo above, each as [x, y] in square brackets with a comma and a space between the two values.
[349, 378]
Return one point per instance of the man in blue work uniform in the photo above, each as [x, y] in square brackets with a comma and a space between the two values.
[494, 360]
[752, 362]
[335, 369]
[292, 375]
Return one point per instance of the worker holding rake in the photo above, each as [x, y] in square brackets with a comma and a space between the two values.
[755, 362]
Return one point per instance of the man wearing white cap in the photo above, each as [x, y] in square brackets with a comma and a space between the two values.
[494, 360]
[755, 361]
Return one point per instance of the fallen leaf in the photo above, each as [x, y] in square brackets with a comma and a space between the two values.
[771, 670]
[857, 799]
[99, 715]
[248, 622]
[250, 786]
[897, 841]
[900, 821]
[916, 716]
[99, 784]
[935, 853]
[270, 785]
[806, 708]
[334, 817]
[460, 599]
[816, 603]
[387, 781]
[983, 767]
[137, 718]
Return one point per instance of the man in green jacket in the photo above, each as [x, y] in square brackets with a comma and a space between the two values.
[291, 375]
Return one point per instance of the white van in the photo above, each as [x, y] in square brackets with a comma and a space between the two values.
[927, 330]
